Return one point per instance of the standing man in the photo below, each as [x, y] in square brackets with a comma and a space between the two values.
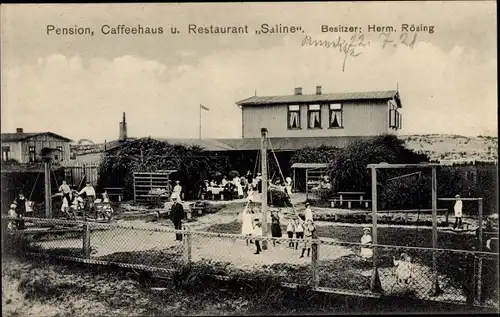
[90, 195]
[177, 214]
[458, 212]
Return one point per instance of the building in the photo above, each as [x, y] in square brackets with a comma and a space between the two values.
[86, 151]
[25, 147]
[322, 115]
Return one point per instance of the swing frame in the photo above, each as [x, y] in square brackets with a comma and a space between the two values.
[375, 282]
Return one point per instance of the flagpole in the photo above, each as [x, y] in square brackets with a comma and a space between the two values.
[200, 123]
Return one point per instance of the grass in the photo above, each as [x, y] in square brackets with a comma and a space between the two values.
[48, 287]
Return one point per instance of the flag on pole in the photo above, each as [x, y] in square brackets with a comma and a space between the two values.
[204, 108]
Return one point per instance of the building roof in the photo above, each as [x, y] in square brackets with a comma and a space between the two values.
[332, 97]
[252, 144]
[16, 137]
[291, 144]
[207, 144]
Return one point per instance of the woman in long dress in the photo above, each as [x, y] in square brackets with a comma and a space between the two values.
[275, 226]
[239, 188]
[247, 223]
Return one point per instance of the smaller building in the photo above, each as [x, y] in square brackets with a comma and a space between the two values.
[29, 147]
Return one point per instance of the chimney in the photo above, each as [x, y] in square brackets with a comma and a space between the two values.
[123, 129]
[19, 130]
[318, 90]
[298, 91]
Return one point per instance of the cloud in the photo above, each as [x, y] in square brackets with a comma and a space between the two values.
[451, 92]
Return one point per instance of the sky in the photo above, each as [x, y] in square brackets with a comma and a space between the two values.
[78, 86]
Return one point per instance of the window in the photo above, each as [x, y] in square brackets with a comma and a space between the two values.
[336, 121]
[314, 116]
[5, 153]
[32, 153]
[394, 119]
[294, 117]
[59, 153]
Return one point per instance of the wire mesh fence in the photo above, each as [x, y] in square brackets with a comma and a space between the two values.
[343, 267]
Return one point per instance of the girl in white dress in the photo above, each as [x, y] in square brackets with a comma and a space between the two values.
[65, 206]
[239, 188]
[247, 223]
[403, 269]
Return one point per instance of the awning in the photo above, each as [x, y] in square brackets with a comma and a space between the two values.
[310, 165]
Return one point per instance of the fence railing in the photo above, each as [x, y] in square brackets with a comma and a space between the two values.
[459, 276]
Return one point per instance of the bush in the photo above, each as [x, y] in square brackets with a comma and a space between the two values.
[348, 169]
[322, 154]
[149, 155]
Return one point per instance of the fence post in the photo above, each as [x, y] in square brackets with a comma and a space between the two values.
[314, 261]
[86, 240]
[479, 277]
[187, 245]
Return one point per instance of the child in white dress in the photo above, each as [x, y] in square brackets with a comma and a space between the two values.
[366, 241]
[12, 213]
[403, 269]
[247, 223]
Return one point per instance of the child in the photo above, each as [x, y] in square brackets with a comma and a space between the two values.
[403, 269]
[12, 213]
[257, 232]
[308, 236]
[299, 231]
[290, 230]
[246, 225]
[366, 241]
[65, 205]
[77, 204]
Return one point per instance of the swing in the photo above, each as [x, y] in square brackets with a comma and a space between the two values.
[418, 198]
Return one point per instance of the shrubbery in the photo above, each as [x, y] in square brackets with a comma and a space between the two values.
[149, 155]
[348, 169]
[322, 154]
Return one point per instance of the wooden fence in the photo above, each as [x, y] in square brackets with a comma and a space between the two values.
[77, 173]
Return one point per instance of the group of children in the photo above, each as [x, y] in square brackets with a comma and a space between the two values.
[72, 201]
[302, 229]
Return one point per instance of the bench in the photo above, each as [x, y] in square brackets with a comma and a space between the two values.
[350, 197]
[115, 192]
[363, 202]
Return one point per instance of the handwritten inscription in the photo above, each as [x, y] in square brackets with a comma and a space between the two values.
[348, 48]
[352, 47]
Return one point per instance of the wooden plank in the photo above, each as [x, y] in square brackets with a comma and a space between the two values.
[461, 198]
[421, 165]
[351, 193]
